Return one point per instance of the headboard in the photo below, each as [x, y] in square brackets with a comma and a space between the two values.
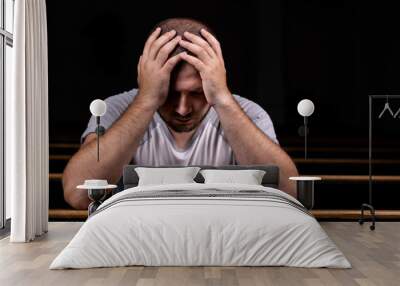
[271, 177]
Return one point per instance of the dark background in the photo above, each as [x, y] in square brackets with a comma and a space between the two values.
[276, 53]
[335, 53]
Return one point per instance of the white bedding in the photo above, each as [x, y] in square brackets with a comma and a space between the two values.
[183, 231]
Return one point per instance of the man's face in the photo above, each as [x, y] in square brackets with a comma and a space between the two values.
[186, 104]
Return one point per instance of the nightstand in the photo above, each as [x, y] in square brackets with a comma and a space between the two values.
[305, 190]
[97, 192]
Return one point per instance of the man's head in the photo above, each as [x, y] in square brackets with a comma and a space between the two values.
[186, 104]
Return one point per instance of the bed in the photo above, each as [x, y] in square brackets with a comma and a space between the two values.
[201, 224]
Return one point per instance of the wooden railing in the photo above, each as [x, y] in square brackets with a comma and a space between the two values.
[339, 163]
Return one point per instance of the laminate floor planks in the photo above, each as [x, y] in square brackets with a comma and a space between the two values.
[374, 255]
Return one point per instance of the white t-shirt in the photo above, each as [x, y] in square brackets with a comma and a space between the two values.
[208, 146]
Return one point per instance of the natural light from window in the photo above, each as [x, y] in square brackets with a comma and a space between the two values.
[6, 63]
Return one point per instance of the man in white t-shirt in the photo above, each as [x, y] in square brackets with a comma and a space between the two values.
[182, 114]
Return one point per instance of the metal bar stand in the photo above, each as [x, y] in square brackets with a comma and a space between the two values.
[369, 206]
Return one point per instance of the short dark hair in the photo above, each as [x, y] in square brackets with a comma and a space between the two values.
[181, 25]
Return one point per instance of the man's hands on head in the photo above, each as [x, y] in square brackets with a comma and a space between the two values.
[154, 67]
[209, 62]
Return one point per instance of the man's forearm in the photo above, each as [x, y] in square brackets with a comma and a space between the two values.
[251, 146]
[117, 147]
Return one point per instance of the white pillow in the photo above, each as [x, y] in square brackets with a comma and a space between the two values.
[163, 176]
[248, 177]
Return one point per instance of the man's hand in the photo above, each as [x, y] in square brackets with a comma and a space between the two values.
[209, 62]
[154, 67]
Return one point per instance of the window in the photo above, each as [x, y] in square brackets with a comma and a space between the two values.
[6, 44]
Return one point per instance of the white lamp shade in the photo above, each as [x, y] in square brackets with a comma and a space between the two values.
[98, 107]
[305, 107]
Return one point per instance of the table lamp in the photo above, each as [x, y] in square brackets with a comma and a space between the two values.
[98, 108]
[305, 108]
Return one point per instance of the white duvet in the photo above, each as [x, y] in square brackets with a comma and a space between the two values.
[188, 231]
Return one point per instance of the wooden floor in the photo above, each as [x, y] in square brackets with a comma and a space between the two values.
[375, 256]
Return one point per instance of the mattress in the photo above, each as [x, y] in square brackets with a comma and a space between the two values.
[201, 225]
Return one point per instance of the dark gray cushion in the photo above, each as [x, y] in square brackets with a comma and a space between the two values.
[270, 179]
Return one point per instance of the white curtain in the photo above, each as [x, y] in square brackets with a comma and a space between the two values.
[27, 147]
